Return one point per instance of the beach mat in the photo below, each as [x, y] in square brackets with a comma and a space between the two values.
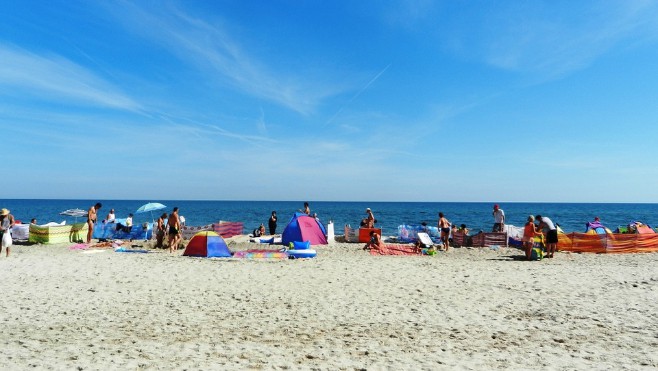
[261, 255]
[79, 246]
[396, 249]
[134, 251]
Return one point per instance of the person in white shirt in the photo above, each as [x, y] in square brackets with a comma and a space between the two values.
[550, 231]
[110, 217]
[499, 219]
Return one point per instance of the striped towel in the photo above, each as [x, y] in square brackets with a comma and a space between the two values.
[261, 255]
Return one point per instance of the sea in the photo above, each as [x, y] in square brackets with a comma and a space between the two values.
[477, 216]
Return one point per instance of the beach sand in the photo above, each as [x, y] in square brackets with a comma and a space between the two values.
[464, 309]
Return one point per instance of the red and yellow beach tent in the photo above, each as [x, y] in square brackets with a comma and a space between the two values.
[207, 244]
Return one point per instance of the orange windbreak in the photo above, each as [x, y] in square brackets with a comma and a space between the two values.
[608, 243]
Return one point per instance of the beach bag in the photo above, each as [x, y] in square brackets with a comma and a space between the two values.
[536, 253]
[6, 239]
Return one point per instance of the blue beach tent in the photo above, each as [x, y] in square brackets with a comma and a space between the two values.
[304, 228]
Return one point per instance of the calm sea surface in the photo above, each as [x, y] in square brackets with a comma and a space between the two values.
[477, 216]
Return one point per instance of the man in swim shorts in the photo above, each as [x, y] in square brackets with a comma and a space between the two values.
[173, 226]
[547, 225]
[444, 227]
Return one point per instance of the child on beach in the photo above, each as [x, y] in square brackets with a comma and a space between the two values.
[529, 233]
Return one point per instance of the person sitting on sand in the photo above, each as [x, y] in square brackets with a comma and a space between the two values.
[173, 226]
[529, 232]
[260, 231]
[375, 241]
[307, 209]
[111, 217]
[160, 231]
[127, 227]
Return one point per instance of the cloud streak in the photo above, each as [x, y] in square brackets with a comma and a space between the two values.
[212, 49]
[528, 39]
[55, 78]
[358, 94]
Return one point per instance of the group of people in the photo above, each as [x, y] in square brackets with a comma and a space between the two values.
[273, 219]
[544, 227]
[172, 228]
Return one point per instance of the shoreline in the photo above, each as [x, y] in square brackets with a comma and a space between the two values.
[467, 308]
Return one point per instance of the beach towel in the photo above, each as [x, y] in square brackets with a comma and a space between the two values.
[121, 249]
[261, 255]
[396, 249]
[79, 246]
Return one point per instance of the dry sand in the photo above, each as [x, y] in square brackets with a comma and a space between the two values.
[465, 309]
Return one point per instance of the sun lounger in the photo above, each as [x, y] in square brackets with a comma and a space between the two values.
[425, 239]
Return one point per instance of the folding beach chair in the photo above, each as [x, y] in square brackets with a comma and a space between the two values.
[425, 239]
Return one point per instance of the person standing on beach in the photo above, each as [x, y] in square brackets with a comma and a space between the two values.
[272, 223]
[6, 222]
[160, 231]
[499, 219]
[529, 233]
[547, 225]
[92, 216]
[173, 225]
[370, 219]
[307, 209]
[444, 227]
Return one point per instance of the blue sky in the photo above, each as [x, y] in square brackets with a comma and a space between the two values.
[330, 100]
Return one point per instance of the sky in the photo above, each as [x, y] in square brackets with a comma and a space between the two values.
[506, 101]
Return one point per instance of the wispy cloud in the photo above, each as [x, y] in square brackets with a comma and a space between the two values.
[213, 49]
[54, 78]
[531, 38]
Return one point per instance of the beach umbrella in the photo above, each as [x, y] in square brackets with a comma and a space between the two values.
[150, 207]
[76, 213]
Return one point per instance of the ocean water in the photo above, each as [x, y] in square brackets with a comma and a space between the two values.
[476, 215]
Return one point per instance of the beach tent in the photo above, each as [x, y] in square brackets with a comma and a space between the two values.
[304, 228]
[207, 244]
[596, 227]
[639, 228]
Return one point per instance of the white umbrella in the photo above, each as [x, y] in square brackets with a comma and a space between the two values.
[150, 207]
[76, 213]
